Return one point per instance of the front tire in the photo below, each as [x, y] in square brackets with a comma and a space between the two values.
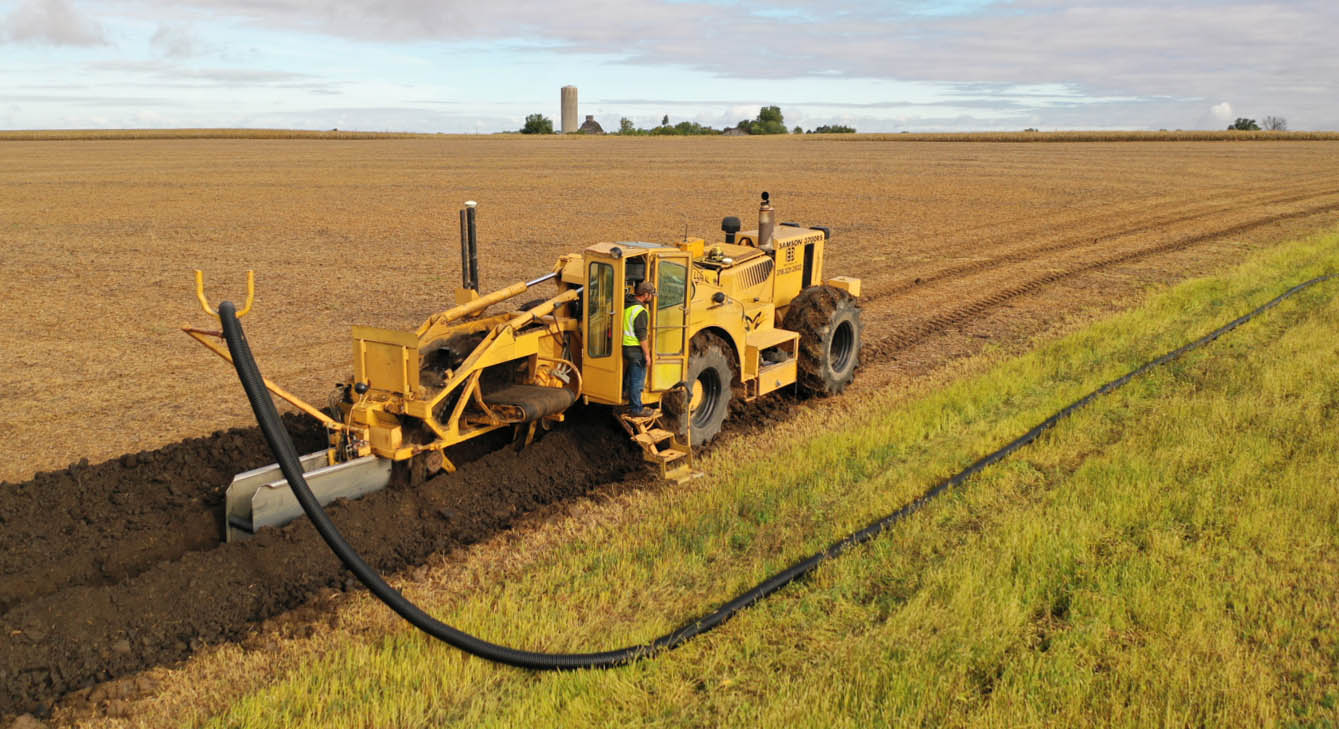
[828, 320]
[709, 389]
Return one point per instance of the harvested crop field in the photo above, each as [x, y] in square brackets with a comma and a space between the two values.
[959, 245]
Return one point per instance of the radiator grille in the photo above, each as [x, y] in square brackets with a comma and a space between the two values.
[756, 273]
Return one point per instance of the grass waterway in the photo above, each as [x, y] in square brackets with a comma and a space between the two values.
[1168, 556]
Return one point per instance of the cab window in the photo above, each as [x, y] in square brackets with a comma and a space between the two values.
[671, 287]
[600, 314]
[671, 292]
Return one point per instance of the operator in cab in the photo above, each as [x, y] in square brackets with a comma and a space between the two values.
[636, 349]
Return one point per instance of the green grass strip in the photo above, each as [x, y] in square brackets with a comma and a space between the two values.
[1167, 556]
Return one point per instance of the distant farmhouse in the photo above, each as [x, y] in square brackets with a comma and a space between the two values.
[590, 126]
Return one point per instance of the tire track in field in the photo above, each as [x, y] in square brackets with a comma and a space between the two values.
[1077, 242]
[1003, 230]
[904, 338]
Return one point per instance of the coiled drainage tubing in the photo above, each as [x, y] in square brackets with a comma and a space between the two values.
[287, 457]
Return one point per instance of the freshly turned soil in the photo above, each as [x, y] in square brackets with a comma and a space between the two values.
[112, 568]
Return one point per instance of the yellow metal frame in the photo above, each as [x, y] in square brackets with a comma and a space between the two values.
[206, 338]
[388, 361]
[204, 303]
[504, 343]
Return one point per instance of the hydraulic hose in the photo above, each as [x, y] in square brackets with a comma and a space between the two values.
[287, 457]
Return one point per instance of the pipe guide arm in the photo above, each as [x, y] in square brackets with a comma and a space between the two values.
[204, 303]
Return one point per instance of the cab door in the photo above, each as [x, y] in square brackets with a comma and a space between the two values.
[669, 322]
[602, 360]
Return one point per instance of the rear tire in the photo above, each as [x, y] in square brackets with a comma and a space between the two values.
[709, 383]
[828, 320]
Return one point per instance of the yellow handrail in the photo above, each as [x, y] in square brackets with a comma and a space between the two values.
[204, 303]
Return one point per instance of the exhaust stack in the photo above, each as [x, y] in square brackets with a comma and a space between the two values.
[469, 248]
[766, 223]
[730, 226]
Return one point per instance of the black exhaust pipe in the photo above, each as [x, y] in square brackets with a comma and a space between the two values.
[464, 253]
[469, 248]
[474, 245]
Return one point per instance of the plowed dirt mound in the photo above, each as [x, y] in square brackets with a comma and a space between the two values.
[112, 568]
[103, 524]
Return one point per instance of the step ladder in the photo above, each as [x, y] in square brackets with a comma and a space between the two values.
[662, 447]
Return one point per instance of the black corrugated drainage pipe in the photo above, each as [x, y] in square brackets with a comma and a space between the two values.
[287, 457]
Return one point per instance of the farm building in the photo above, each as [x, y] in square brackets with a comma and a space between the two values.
[590, 126]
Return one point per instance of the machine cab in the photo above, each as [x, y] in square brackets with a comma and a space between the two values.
[612, 271]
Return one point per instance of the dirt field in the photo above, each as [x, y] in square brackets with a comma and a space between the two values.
[958, 244]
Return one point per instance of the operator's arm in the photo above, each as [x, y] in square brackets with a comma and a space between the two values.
[639, 329]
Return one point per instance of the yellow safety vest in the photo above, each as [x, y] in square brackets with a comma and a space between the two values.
[629, 317]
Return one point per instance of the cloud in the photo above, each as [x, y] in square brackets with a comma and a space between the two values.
[1130, 48]
[174, 41]
[996, 63]
[240, 76]
[91, 99]
[54, 22]
[146, 118]
[167, 73]
[1000, 41]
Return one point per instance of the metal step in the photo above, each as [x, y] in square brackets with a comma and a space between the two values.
[653, 436]
[668, 455]
[661, 447]
[680, 474]
[262, 497]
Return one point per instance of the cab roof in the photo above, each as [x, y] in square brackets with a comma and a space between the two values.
[629, 247]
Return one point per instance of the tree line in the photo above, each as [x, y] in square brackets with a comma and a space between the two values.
[768, 121]
[1268, 124]
[771, 121]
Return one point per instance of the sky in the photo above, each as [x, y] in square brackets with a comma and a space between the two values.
[430, 66]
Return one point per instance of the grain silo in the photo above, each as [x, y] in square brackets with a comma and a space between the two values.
[569, 98]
